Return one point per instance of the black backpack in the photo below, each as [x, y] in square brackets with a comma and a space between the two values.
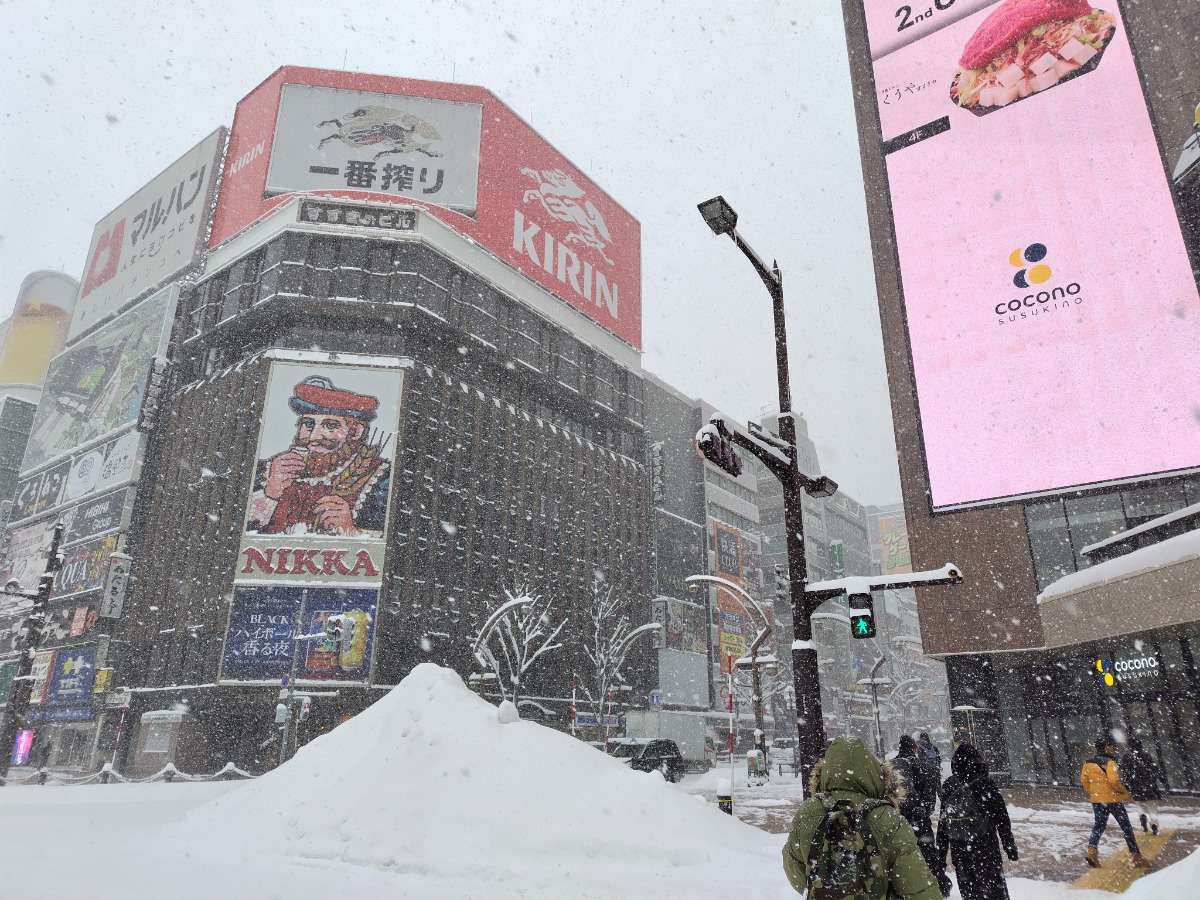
[961, 816]
[844, 862]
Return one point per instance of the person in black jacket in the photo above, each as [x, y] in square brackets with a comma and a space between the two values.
[1141, 774]
[919, 797]
[973, 812]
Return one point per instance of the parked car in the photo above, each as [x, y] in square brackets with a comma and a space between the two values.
[651, 755]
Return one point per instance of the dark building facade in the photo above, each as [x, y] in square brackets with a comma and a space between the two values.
[393, 392]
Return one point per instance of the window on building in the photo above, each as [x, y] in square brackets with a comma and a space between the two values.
[568, 355]
[603, 381]
[1151, 501]
[484, 323]
[350, 275]
[1050, 541]
[1093, 519]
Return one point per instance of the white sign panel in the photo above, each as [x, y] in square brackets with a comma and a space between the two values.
[116, 585]
[151, 236]
[329, 139]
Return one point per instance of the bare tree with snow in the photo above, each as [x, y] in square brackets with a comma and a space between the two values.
[609, 633]
[515, 635]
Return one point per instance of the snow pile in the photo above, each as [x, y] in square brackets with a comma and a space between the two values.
[1170, 552]
[1179, 880]
[429, 782]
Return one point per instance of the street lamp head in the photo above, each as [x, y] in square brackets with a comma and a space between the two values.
[12, 586]
[719, 215]
[821, 487]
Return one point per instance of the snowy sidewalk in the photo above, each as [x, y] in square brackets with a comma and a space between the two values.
[1051, 825]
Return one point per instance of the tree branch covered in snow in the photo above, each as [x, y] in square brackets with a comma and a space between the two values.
[608, 627]
[520, 636]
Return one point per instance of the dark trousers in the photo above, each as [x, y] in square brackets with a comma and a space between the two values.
[923, 829]
[1117, 811]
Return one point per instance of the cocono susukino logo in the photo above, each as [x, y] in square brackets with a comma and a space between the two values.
[1033, 271]
[1039, 273]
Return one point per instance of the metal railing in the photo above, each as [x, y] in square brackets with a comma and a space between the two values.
[108, 774]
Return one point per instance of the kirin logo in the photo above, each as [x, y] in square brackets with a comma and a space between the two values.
[369, 125]
[560, 196]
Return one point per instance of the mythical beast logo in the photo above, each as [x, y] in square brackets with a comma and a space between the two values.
[560, 196]
[370, 125]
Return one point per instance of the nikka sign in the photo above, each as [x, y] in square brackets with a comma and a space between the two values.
[404, 141]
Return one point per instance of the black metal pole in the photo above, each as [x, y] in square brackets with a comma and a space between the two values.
[810, 722]
[22, 690]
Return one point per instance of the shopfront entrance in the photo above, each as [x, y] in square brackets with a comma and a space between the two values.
[1054, 706]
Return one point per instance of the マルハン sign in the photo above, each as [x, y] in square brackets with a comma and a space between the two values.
[151, 237]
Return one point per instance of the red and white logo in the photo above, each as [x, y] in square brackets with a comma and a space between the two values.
[104, 262]
[561, 197]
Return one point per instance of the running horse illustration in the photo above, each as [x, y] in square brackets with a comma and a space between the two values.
[370, 125]
[560, 196]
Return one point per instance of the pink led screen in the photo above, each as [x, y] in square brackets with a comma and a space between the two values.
[1053, 316]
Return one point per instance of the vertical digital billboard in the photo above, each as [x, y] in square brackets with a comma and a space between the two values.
[95, 388]
[1051, 308]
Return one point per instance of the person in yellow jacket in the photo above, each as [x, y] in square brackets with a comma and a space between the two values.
[1101, 778]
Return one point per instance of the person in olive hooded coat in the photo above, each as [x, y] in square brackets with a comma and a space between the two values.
[851, 772]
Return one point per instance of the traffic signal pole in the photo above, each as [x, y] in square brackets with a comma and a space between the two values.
[810, 725]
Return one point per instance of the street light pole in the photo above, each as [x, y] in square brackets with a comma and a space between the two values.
[750, 661]
[22, 689]
[285, 739]
[810, 725]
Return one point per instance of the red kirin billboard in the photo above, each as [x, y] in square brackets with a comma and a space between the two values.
[454, 149]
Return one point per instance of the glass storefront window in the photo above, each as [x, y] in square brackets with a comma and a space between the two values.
[1174, 666]
[1152, 501]
[1172, 761]
[1093, 519]
[1050, 541]
[1189, 730]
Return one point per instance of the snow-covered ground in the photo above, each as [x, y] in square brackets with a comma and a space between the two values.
[426, 794]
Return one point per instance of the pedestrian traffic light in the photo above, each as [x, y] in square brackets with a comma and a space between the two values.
[281, 713]
[718, 450]
[782, 585]
[862, 617]
[339, 629]
[305, 708]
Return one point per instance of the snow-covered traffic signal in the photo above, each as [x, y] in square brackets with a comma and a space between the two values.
[339, 629]
[783, 587]
[862, 617]
[717, 448]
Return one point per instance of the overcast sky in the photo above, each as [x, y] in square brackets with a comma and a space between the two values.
[661, 104]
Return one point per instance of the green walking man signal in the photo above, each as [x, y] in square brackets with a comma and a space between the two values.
[862, 617]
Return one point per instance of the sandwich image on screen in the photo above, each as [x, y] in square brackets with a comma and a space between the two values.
[1027, 46]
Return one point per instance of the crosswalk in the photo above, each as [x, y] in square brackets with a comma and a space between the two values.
[1117, 872]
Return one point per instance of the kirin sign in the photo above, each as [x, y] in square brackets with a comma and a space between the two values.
[455, 149]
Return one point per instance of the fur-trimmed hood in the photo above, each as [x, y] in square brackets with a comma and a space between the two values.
[849, 766]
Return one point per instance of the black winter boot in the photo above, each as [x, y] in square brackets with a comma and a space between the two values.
[1145, 827]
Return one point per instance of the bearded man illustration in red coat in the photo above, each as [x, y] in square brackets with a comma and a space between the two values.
[333, 479]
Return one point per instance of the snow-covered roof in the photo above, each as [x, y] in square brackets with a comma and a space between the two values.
[1157, 556]
[1152, 525]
